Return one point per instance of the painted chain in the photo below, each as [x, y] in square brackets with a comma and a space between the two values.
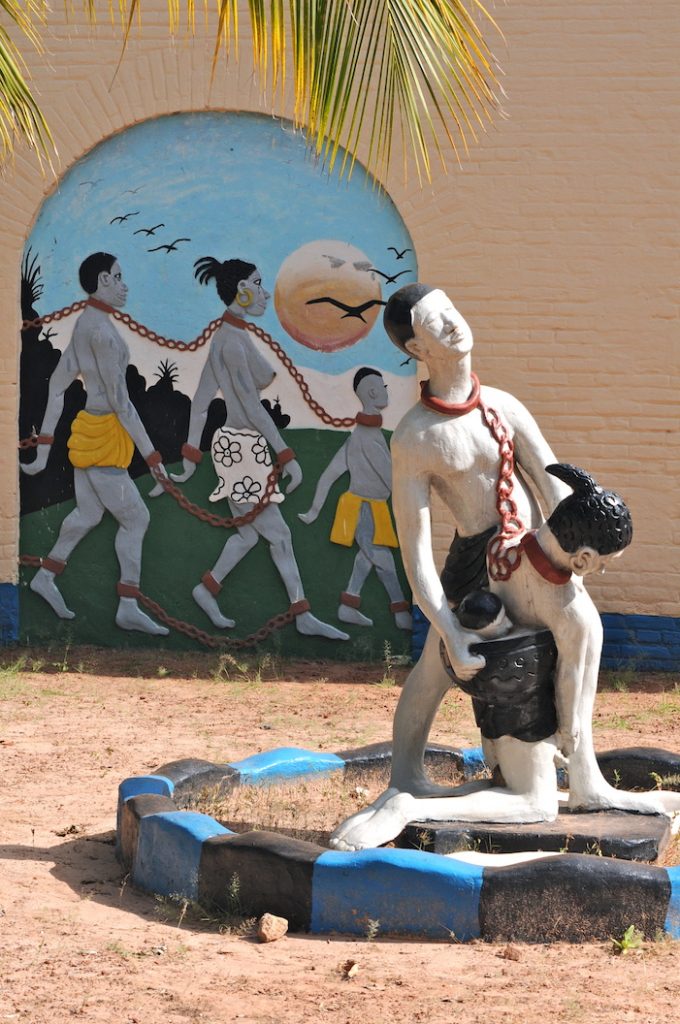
[210, 517]
[192, 346]
[502, 562]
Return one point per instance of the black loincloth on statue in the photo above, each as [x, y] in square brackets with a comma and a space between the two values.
[465, 566]
[514, 694]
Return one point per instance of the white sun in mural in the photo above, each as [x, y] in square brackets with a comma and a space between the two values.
[327, 295]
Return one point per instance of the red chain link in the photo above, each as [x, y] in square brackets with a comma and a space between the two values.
[502, 562]
[316, 407]
[210, 517]
[198, 342]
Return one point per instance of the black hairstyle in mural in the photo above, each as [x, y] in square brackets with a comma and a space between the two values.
[362, 373]
[590, 517]
[226, 275]
[90, 269]
[397, 315]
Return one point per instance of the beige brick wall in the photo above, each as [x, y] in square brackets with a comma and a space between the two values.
[558, 237]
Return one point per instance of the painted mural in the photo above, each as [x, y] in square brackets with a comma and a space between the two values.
[207, 395]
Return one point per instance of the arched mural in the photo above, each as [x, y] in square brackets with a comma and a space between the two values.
[207, 395]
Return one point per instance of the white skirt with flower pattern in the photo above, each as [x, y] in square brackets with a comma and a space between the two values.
[242, 461]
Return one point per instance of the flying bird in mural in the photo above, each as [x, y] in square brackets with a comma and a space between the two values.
[352, 311]
[95, 182]
[148, 231]
[399, 255]
[171, 247]
[123, 217]
[390, 279]
[133, 191]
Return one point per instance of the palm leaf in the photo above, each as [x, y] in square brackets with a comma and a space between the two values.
[20, 114]
[362, 71]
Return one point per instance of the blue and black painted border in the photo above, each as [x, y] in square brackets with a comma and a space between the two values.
[409, 892]
[641, 643]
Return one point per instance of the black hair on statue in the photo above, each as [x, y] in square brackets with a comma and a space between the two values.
[397, 314]
[226, 275]
[590, 517]
[478, 609]
[365, 371]
[90, 269]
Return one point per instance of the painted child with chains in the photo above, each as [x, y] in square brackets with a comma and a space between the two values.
[362, 514]
[450, 443]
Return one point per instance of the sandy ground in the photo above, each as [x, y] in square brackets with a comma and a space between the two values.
[77, 942]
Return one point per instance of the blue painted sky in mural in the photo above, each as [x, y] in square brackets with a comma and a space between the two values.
[236, 185]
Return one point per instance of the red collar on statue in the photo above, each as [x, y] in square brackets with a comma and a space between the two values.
[235, 321]
[368, 420]
[98, 304]
[540, 561]
[450, 408]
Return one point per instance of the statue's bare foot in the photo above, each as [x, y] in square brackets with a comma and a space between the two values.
[44, 585]
[418, 784]
[607, 798]
[403, 620]
[207, 603]
[131, 616]
[353, 616]
[389, 817]
[309, 625]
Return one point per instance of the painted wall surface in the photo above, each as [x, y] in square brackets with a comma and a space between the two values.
[234, 187]
[557, 237]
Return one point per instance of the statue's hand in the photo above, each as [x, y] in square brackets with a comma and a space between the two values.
[308, 517]
[156, 491]
[463, 662]
[292, 472]
[39, 463]
[567, 741]
[188, 469]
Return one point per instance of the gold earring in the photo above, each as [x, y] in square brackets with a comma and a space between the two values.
[244, 298]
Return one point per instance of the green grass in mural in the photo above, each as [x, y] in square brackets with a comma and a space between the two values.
[179, 548]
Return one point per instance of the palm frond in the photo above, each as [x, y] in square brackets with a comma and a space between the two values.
[20, 115]
[362, 71]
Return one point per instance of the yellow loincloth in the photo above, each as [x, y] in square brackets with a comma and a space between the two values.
[347, 519]
[99, 441]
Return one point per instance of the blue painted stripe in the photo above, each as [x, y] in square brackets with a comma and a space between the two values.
[672, 925]
[286, 763]
[9, 613]
[409, 892]
[473, 761]
[169, 851]
[138, 784]
[640, 642]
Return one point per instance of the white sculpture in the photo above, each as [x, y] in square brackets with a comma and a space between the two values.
[465, 442]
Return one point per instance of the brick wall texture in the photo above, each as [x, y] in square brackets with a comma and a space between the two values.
[557, 236]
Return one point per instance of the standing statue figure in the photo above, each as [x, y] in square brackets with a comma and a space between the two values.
[236, 368]
[362, 514]
[465, 442]
[103, 437]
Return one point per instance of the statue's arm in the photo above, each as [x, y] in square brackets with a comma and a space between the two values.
[333, 471]
[571, 633]
[236, 382]
[106, 353]
[64, 374]
[205, 392]
[411, 504]
[533, 454]
[381, 462]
